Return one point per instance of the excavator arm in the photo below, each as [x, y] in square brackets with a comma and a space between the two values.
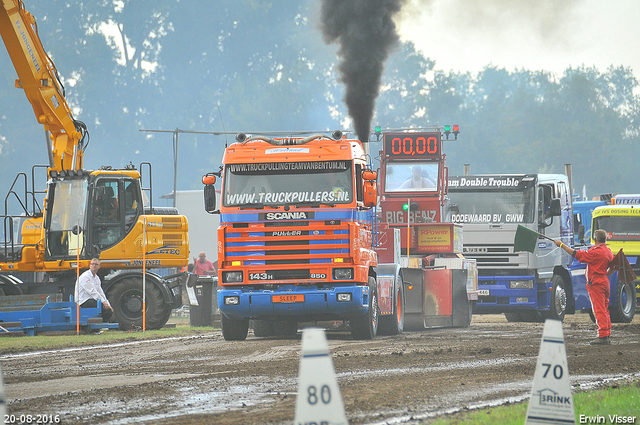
[39, 79]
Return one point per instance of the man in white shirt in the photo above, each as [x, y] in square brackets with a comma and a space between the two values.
[89, 290]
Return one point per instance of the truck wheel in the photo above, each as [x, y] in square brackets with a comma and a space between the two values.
[262, 328]
[557, 299]
[10, 285]
[394, 323]
[624, 303]
[167, 316]
[513, 317]
[531, 316]
[234, 329]
[125, 297]
[366, 326]
[285, 328]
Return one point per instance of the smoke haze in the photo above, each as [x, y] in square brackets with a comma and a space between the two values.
[545, 19]
[366, 34]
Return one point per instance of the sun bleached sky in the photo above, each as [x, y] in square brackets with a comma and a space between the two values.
[551, 35]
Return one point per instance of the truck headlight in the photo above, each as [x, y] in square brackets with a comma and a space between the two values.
[342, 274]
[232, 300]
[521, 284]
[344, 298]
[232, 277]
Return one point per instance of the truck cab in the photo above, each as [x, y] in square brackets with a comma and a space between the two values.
[413, 181]
[523, 285]
[295, 235]
[582, 211]
[438, 285]
[621, 221]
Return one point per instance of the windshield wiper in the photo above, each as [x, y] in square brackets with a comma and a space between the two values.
[261, 206]
[313, 204]
[250, 205]
[258, 206]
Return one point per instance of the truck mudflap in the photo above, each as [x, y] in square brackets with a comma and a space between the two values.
[290, 300]
[436, 298]
[174, 284]
[387, 276]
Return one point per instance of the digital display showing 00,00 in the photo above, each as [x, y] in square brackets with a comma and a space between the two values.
[412, 144]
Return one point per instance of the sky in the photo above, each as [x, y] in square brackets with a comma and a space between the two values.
[551, 35]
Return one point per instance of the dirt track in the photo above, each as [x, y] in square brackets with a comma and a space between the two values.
[204, 379]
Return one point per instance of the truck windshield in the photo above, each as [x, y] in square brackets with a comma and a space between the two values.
[492, 206]
[411, 177]
[288, 183]
[623, 229]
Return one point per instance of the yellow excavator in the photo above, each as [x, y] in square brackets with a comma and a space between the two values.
[84, 214]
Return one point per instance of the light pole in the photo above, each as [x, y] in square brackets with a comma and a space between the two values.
[176, 133]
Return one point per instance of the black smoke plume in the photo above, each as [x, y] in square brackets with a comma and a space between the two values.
[366, 34]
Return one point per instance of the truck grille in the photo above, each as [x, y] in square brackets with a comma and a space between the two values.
[291, 243]
[488, 257]
[290, 274]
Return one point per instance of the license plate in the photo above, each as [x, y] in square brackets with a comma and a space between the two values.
[293, 298]
[483, 292]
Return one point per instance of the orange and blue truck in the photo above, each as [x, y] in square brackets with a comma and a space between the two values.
[301, 240]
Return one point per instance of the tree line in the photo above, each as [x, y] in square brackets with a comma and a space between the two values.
[263, 66]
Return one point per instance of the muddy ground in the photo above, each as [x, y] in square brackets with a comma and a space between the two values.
[402, 379]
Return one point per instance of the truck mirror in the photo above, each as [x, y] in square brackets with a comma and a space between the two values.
[370, 194]
[210, 199]
[208, 179]
[556, 209]
[581, 233]
[369, 175]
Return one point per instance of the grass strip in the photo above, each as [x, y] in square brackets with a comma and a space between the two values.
[69, 339]
[617, 403]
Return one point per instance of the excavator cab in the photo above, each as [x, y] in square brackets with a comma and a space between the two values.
[89, 213]
[66, 216]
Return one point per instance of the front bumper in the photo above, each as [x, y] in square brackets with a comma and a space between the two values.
[312, 302]
[496, 296]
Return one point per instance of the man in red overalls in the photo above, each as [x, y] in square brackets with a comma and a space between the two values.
[597, 258]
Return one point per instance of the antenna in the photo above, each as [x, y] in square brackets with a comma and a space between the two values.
[223, 128]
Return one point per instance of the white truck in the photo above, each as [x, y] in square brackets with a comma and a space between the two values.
[525, 286]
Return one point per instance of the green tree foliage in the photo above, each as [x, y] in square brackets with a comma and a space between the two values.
[250, 65]
[533, 121]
